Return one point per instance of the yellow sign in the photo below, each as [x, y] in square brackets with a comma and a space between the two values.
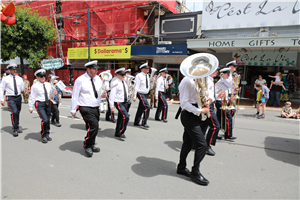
[78, 53]
[107, 52]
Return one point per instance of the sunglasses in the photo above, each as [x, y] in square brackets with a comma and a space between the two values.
[43, 75]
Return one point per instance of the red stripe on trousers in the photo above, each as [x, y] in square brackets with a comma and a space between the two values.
[123, 125]
[212, 120]
[164, 105]
[144, 109]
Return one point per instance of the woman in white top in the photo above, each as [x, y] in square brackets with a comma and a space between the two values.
[261, 81]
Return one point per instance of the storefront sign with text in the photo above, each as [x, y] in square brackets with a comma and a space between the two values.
[266, 59]
[107, 52]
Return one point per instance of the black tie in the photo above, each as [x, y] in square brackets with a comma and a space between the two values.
[95, 93]
[146, 81]
[46, 95]
[15, 86]
[165, 89]
[125, 93]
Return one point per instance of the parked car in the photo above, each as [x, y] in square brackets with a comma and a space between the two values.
[67, 92]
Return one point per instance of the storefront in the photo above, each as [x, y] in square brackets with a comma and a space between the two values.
[169, 56]
[263, 36]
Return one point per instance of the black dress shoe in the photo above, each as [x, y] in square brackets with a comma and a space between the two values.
[44, 140]
[19, 131]
[155, 106]
[15, 133]
[219, 137]
[107, 119]
[199, 179]
[146, 126]
[151, 107]
[157, 119]
[89, 151]
[57, 124]
[230, 138]
[117, 135]
[164, 120]
[52, 122]
[48, 138]
[95, 149]
[185, 172]
[209, 151]
[123, 136]
[136, 125]
[114, 121]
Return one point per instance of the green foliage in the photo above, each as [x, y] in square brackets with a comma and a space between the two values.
[29, 38]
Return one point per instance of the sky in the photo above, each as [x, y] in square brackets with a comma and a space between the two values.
[194, 5]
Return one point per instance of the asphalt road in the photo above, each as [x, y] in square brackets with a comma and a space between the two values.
[262, 163]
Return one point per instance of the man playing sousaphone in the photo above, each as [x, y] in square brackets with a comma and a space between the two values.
[194, 104]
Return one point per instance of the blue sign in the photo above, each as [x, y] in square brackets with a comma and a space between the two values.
[159, 50]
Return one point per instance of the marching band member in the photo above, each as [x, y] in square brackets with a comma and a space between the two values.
[211, 122]
[39, 97]
[160, 92]
[128, 72]
[141, 90]
[86, 94]
[110, 116]
[13, 85]
[107, 89]
[118, 99]
[190, 119]
[232, 65]
[227, 113]
[26, 91]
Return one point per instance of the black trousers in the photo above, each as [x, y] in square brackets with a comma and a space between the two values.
[192, 134]
[213, 124]
[91, 117]
[123, 118]
[109, 115]
[55, 113]
[143, 107]
[15, 105]
[161, 106]
[128, 106]
[228, 116]
[44, 112]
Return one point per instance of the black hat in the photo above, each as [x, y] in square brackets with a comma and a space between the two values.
[92, 64]
[12, 66]
[120, 71]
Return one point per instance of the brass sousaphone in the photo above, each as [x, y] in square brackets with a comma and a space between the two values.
[198, 67]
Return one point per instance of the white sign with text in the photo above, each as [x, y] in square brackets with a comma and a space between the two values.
[233, 14]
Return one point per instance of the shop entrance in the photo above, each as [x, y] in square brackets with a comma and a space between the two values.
[252, 73]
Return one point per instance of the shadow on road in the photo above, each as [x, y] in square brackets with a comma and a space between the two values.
[109, 133]
[175, 145]
[73, 146]
[283, 149]
[33, 136]
[150, 167]
[78, 126]
[7, 129]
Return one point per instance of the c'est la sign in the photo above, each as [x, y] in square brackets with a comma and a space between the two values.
[107, 52]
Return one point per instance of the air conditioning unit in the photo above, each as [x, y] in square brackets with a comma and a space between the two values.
[164, 42]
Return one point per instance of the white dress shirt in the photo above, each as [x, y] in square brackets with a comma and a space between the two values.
[218, 91]
[8, 85]
[83, 93]
[117, 93]
[211, 88]
[140, 83]
[1, 92]
[187, 96]
[160, 85]
[38, 93]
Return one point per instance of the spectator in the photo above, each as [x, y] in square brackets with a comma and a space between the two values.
[169, 90]
[297, 115]
[26, 90]
[275, 92]
[262, 82]
[287, 111]
[262, 98]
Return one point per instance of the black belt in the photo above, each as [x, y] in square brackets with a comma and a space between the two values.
[14, 96]
[180, 109]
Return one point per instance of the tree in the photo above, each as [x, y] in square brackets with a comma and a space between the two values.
[29, 38]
